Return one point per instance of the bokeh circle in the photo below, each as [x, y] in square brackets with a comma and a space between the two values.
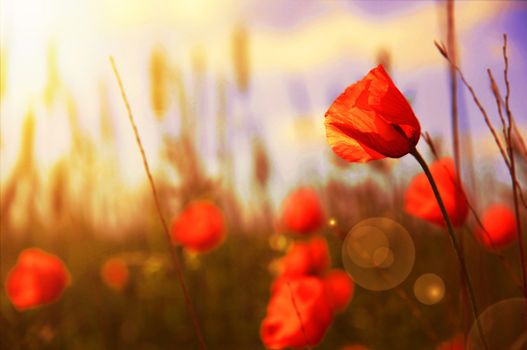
[378, 253]
[504, 326]
[429, 289]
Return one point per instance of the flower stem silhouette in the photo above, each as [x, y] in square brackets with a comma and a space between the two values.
[455, 243]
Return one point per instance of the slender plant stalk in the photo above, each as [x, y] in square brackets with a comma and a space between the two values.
[175, 259]
[451, 43]
[501, 258]
[500, 103]
[455, 244]
[510, 150]
[516, 188]
[293, 300]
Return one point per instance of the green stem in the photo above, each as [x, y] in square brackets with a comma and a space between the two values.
[453, 240]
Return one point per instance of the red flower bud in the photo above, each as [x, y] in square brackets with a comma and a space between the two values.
[38, 278]
[114, 273]
[371, 120]
[500, 225]
[306, 258]
[200, 227]
[298, 314]
[339, 288]
[421, 202]
[302, 212]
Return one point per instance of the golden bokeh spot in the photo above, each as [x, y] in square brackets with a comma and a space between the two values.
[429, 289]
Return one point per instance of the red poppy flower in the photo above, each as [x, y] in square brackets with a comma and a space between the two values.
[339, 288]
[38, 278]
[500, 225]
[114, 273]
[302, 212]
[421, 202]
[306, 258]
[457, 343]
[200, 227]
[298, 315]
[371, 120]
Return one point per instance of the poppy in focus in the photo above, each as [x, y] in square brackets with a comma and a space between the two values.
[500, 226]
[421, 202]
[298, 314]
[114, 273]
[302, 211]
[339, 289]
[200, 227]
[371, 120]
[38, 278]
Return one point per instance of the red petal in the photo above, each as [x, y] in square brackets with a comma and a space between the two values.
[500, 225]
[200, 227]
[309, 258]
[339, 287]
[371, 120]
[282, 326]
[38, 278]
[302, 211]
[421, 202]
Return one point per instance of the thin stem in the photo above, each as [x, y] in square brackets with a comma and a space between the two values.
[504, 155]
[500, 102]
[293, 300]
[512, 164]
[451, 43]
[175, 259]
[445, 54]
[497, 96]
[455, 244]
[504, 262]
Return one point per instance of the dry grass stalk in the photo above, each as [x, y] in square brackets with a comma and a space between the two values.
[514, 179]
[240, 57]
[441, 48]
[507, 157]
[105, 122]
[451, 44]
[53, 77]
[175, 259]
[502, 259]
[3, 71]
[158, 82]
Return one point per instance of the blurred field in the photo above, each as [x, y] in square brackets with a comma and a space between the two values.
[77, 189]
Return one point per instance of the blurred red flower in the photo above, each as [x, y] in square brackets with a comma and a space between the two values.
[371, 120]
[302, 212]
[457, 343]
[306, 258]
[420, 201]
[200, 227]
[298, 314]
[114, 273]
[38, 278]
[309, 258]
[339, 288]
[500, 225]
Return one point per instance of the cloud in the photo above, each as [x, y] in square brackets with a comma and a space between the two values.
[345, 33]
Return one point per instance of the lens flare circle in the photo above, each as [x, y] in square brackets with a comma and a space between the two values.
[429, 289]
[504, 326]
[378, 253]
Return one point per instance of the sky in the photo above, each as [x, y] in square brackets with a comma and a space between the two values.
[302, 54]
